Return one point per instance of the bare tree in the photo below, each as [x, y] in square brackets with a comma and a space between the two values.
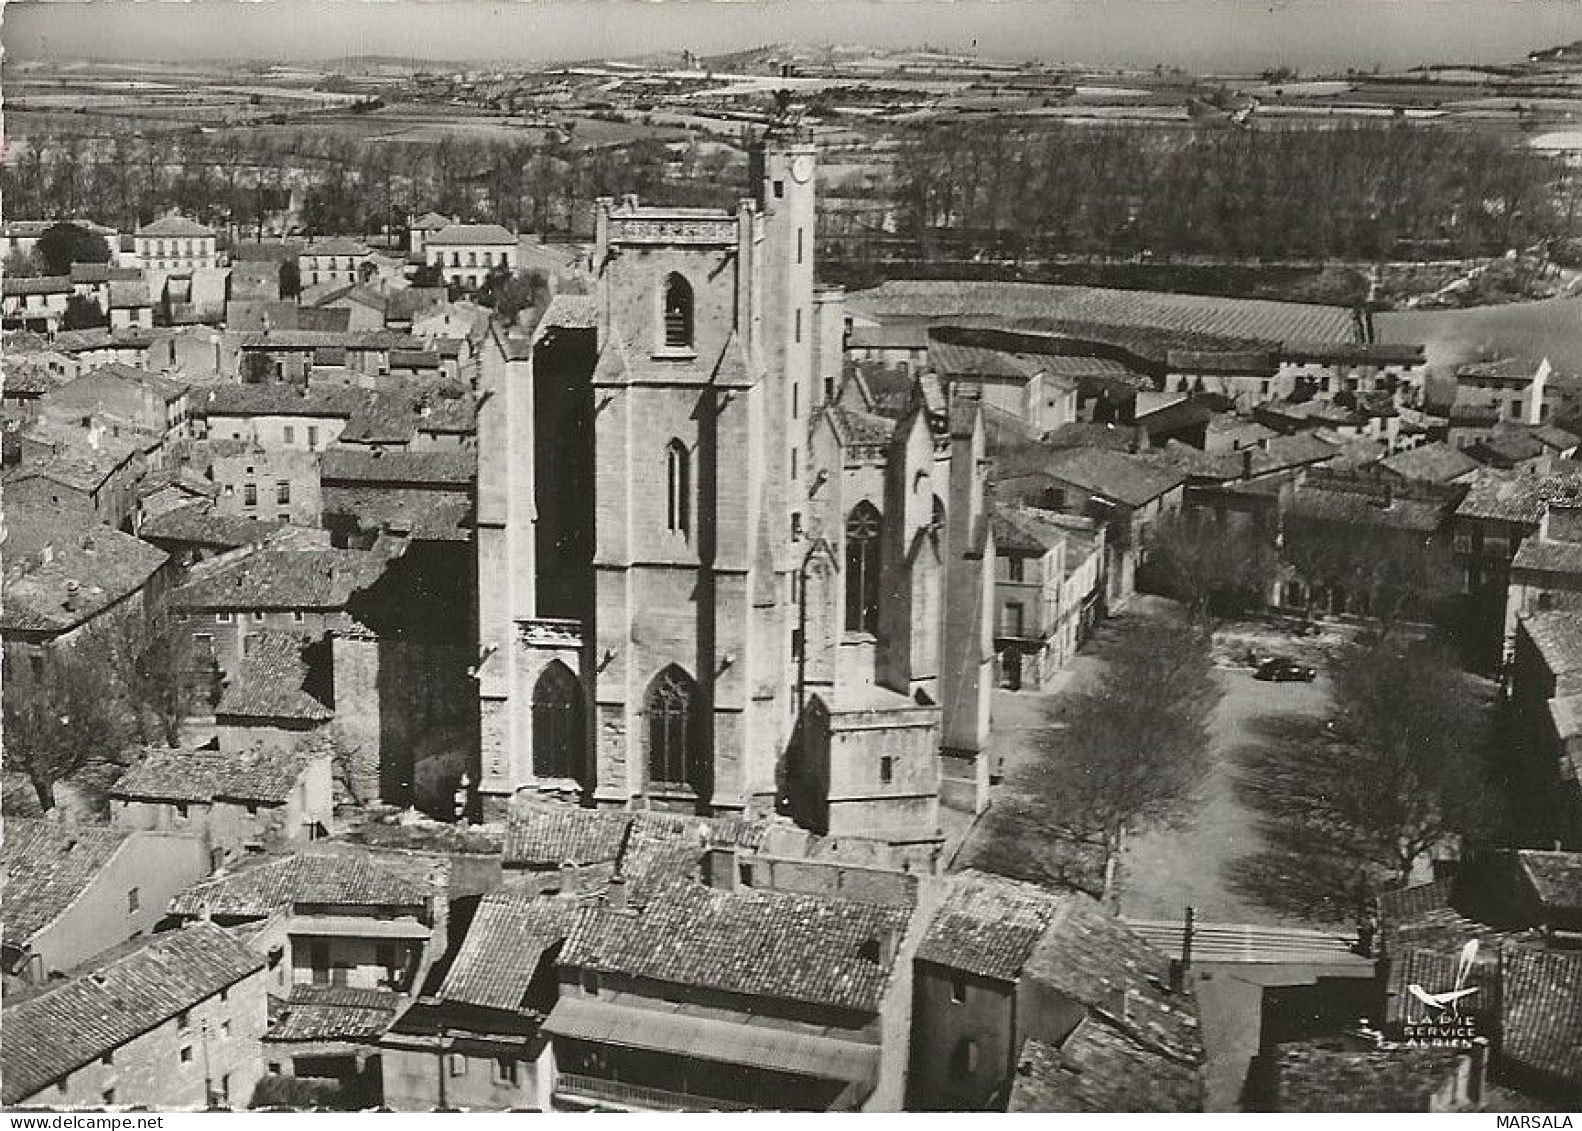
[1209, 566]
[1131, 752]
[1402, 770]
[151, 661]
[66, 719]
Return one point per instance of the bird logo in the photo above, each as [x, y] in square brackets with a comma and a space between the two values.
[1448, 1002]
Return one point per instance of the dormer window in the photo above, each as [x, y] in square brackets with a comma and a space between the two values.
[678, 313]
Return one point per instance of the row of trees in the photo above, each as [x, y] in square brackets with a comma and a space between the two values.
[1125, 754]
[1230, 568]
[1356, 801]
[1359, 191]
[345, 185]
[127, 683]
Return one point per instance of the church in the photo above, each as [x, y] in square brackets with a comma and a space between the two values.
[711, 577]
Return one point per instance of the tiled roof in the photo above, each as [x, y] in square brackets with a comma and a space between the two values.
[204, 775]
[174, 226]
[36, 285]
[1127, 479]
[1357, 508]
[1253, 362]
[200, 525]
[473, 235]
[278, 399]
[90, 568]
[336, 245]
[559, 836]
[1558, 637]
[505, 946]
[1511, 447]
[423, 513]
[1100, 1068]
[570, 312]
[1553, 436]
[270, 682]
[1541, 1010]
[48, 864]
[329, 339]
[1436, 463]
[757, 943]
[1023, 530]
[1515, 497]
[1357, 353]
[68, 1026]
[268, 251]
[1250, 319]
[334, 1013]
[1545, 556]
[951, 360]
[988, 925]
[1091, 957]
[405, 304]
[1402, 905]
[280, 579]
[1314, 1076]
[431, 468]
[128, 294]
[258, 890]
[862, 429]
[1555, 876]
[83, 341]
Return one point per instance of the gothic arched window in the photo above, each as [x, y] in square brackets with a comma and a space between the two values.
[678, 492]
[678, 312]
[675, 755]
[559, 736]
[862, 568]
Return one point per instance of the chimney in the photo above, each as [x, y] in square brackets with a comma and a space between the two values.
[72, 590]
[47, 554]
[615, 893]
[1120, 1003]
[719, 869]
[1246, 463]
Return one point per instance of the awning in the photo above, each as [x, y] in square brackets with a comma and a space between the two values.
[713, 1038]
[356, 926]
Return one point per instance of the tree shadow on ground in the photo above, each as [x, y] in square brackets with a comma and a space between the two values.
[1308, 868]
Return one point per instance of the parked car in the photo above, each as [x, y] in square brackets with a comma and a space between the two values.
[1278, 669]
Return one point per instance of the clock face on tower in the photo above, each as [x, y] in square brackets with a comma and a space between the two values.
[802, 169]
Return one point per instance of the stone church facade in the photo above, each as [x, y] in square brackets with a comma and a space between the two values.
[710, 577]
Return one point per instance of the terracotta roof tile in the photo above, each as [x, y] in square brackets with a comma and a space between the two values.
[1541, 1011]
[256, 891]
[505, 946]
[205, 775]
[64, 1028]
[747, 942]
[48, 864]
[281, 579]
[333, 1013]
[988, 925]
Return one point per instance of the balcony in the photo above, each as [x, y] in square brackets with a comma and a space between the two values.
[598, 1091]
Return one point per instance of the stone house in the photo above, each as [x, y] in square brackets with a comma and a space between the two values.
[172, 1022]
[335, 259]
[74, 891]
[175, 245]
[467, 253]
[235, 802]
[1011, 978]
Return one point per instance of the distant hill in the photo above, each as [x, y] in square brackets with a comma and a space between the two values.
[1565, 53]
[363, 64]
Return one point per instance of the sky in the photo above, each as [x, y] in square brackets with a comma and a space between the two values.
[1198, 34]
